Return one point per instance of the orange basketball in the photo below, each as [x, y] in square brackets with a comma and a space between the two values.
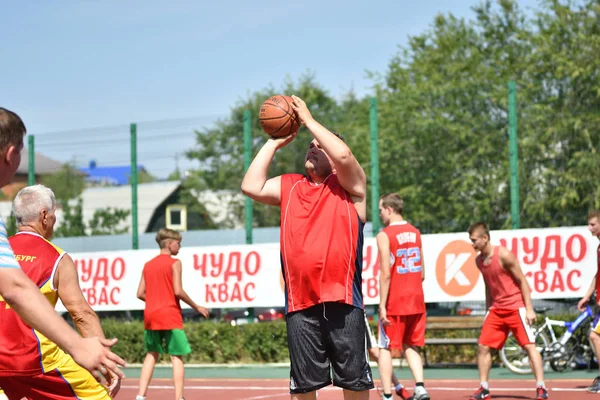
[277, 117]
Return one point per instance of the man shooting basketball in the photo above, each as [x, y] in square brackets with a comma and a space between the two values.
[322, 219]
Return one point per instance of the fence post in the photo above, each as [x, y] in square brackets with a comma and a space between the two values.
[31, 166]
[374, 167]
[134, 182]
[248, 209]
[247, 160]
[514, 155]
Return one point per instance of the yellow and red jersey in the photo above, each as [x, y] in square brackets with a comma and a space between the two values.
[23, 350]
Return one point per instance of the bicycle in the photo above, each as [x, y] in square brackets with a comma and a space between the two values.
[560, 352]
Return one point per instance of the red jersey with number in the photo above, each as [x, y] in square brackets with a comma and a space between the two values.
[163, 311]
[598, 276]
[406, 279]
[23, 350]
[321, 243]
[504, 291]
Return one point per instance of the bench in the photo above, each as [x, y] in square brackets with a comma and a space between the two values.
[452, 323]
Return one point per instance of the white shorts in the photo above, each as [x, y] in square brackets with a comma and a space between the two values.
[371, 341]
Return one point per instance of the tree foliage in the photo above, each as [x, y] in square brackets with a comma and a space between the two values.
[109, 221]
[68, 183]
[443, 120]
[72, 223]
[11, 225]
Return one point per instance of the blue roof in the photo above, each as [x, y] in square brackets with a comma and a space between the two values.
[114, 175]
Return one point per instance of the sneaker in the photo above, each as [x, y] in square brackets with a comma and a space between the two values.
[379, 392]
[541, 393]
[420, 394]
[480, 394]
[595, 387]
[403, 393]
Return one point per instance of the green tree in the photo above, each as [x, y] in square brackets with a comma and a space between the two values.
[560, 116]
[68, 183]
[144, 177]
[175, 175]
[72, 223]
[443, 119]
[444, 143]
[11, 225]
[108, 221]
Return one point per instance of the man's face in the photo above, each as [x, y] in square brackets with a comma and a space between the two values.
[479, 240]
[384, 214]
[174, 247]
[594, 226]
[317, 160]
[10, 163]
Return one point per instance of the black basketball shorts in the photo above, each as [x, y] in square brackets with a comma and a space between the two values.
[324, 340]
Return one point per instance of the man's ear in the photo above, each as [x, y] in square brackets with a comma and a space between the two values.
[44, 215]
[9, 155]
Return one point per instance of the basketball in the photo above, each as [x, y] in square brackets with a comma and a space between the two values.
[277, 117]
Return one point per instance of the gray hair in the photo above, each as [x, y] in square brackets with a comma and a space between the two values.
[30, 201]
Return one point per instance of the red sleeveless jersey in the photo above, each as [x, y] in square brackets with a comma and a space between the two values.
[321, 243]
[23, 350]
[406, 284]
[504, 291]
[163, 311]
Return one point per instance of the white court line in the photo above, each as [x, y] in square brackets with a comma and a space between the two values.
[268, 396]
[503, 389]
[210, 387]
[429, 388]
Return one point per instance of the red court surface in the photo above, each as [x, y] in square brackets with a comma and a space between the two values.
[276, 389]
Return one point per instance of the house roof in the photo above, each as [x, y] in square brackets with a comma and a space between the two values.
[43, 164]
[114, 175]
[150, 196]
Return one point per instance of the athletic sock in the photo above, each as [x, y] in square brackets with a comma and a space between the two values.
[138, 397]
[420, 384]
[387, 396]
[540, 384]
[399, 386]
[485, 385]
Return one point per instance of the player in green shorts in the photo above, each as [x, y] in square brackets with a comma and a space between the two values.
[161, 288]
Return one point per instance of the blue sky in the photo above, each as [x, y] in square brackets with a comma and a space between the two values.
[78, 72]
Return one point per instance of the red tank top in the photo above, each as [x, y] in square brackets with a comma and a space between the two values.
[163, 311]
[23, 350]
[598, 276]
[504, 291]
[321, 243]
[406, 283]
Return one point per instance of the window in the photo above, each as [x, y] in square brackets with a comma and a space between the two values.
[176, 217]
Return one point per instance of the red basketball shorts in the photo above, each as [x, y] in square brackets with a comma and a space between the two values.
[404, 329]
[499, 323]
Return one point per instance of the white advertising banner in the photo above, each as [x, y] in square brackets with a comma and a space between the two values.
[557, 262]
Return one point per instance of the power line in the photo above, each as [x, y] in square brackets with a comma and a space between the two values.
[141, 140]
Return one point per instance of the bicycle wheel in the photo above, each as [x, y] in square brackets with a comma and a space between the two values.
[515, 358]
